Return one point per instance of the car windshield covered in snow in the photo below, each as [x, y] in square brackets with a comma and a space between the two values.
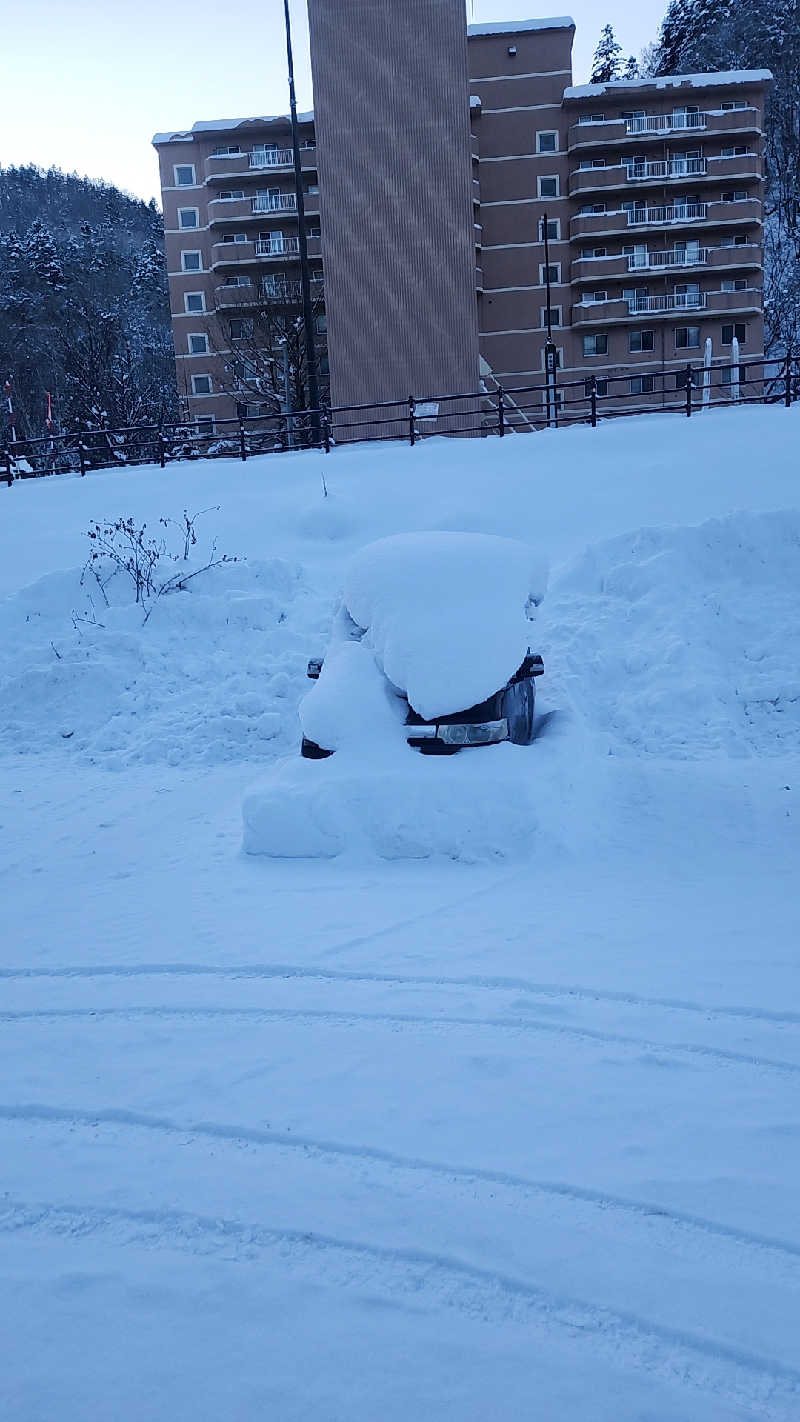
[432, 635]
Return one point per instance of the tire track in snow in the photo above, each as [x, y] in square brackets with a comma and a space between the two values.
[445, 1281]
[315, 1016]
[487, 982]
[342, 1153]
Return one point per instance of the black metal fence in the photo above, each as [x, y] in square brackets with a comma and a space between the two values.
[632, 390]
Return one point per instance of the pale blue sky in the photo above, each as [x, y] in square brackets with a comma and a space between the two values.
[86, 83]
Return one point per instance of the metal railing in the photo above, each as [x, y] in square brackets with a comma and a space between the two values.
[276, 247]
[675, 257]
[667, 168]
[271, 158]
[675, 301]
[676, 212]
[657, 123]
[629, 390]
[281, 202]
[288, 289]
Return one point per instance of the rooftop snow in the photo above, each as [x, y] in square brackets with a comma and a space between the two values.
[514, 27]
[221, 125]
[671, 81]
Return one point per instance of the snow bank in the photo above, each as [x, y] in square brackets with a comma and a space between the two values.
[446, 613]
[684, 642]
[470, 807]
[208, 678]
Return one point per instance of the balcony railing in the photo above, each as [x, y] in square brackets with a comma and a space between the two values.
[676, 301]
[677, 212]
[676, 258]
[280, 247]
[667, 168]
[271, 158]
[279, 289]
[283, 202]
[657, 123]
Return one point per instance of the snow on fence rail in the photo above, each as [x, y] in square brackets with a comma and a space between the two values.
[632, 390]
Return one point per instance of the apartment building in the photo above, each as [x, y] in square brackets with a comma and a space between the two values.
[652, 192]
[230, 225]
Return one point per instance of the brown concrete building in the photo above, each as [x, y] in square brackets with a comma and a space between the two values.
[652, 190]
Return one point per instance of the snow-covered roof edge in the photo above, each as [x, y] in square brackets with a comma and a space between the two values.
[221, 125]
[514, 27]
[669, 81]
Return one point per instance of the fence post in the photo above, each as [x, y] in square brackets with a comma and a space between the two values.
[593, 397]
[82, 455]
[689, 383]
[9, 470]
[501, 412]
[242, 441]
[412, 415]
[788, 380]
[326, 429]
[162, 449]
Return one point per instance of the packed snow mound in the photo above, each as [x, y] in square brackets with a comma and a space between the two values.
[447, 614]
[352, 705]
[684, 642]
[214, 674]
[471, 807]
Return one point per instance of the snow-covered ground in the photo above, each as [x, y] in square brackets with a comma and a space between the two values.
[492, 1114]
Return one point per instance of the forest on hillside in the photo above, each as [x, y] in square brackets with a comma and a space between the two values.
[84, 311]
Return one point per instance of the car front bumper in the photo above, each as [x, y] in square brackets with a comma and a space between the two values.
[456, 736]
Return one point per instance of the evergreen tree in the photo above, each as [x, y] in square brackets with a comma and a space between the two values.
[631, 70]
[607, 58]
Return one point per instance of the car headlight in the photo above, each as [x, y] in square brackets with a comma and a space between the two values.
[481, 733]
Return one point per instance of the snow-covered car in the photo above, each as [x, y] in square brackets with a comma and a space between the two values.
[432, 632]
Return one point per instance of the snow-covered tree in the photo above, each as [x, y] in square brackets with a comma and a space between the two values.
[607, 58]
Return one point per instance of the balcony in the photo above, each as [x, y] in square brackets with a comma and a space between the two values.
[674, 257]
[724, 123]
[598, 270]
[277, 247]
[666, 169]
[280, 202]
[674, 301]
[271, 158]
[621, 310]
[661, 216]
[289, 292]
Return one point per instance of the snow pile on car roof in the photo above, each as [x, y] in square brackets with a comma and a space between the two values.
[447, 614]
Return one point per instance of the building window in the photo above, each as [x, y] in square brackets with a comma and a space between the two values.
[553, 229]
[205, 426]
[184, 175]
[601, 387]
[228, 237]
[735, 195]
[733, 104]
[241, 327]
[551, 273]
[194, 301]
[547, 142]
[201, 384]
[596, 344]
[237, 281]
[198, 343]
[188, 217]
[734, 284]
[735, 239]
[230, 195]
[641, 340]
[314, 230]
[191, 261]
[641, 385]
[596, 296]
[591, 118]
[592, 209]
[555, 316]
[548, 187]
[737, 329]
[587, 163]
[226, 150]
[687, 338]
[739, 150]
[588, 253]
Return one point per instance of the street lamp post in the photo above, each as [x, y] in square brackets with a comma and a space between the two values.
[550, 352]
[302, 242]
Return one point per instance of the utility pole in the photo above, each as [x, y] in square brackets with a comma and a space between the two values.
[550, 352]
[302, 242]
